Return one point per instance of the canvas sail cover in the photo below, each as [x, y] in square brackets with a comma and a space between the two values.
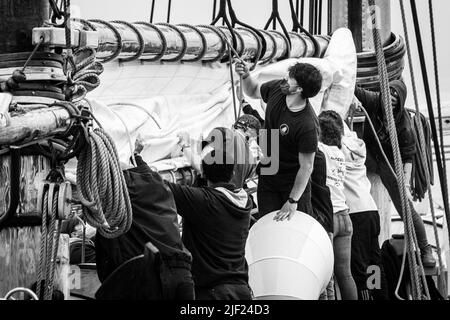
[155, 101]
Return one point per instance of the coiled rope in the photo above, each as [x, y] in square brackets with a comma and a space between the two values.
[84, 74]
[385, 93]
[101, 186]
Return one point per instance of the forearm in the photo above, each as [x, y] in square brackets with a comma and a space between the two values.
[301, 182]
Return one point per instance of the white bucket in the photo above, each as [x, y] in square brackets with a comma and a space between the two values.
[289, 260]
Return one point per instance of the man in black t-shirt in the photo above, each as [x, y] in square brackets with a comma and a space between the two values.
[290, 113]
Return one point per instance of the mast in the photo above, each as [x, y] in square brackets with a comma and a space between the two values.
[355, 15]
[17, 20]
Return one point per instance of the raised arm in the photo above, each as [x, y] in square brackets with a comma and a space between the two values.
[251, 86]
[371, 101]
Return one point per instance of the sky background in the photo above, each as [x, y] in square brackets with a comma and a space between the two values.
[257, 12]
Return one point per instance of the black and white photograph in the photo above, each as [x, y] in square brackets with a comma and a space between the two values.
[232, 158]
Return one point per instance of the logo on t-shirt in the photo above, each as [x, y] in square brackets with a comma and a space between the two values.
[284, 129]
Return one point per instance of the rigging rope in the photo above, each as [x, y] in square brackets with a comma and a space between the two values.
[330, 17]
[378, 142]
[169, 7]
[214, 9]
[222, 14]
[43, 248]
[302, 13]
[385, 93]
[438, 91]
[296, 26]
[311, 15]
[440, 166]
[421, 136]
[422, 143]
[423, 146]
[319, 29]
[262, 45]
[274, 17]
[152, 11]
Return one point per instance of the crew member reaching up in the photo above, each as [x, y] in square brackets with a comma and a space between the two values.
[216, 221]
[292, 116]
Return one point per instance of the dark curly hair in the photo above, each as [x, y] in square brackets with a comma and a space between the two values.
[331, 128]
[308, 77]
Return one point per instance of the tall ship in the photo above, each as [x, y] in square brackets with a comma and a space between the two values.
[81, 81]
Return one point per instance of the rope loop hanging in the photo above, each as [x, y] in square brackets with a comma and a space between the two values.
[161, 54]
[117, 35]
[140, 39]
[204, 49]
[298, 26]
[274, 17]
[183, 51]
[223, 49]
[222, 14]
[262, 45]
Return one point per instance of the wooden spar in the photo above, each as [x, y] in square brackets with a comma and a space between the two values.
[39, 123]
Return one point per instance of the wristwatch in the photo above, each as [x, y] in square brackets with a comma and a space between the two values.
[292, 201]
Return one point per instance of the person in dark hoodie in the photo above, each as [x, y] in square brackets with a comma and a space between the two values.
[216, 220]
[155, 220]
[375, 163]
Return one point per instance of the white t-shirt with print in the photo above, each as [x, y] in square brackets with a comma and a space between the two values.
[336, 171]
